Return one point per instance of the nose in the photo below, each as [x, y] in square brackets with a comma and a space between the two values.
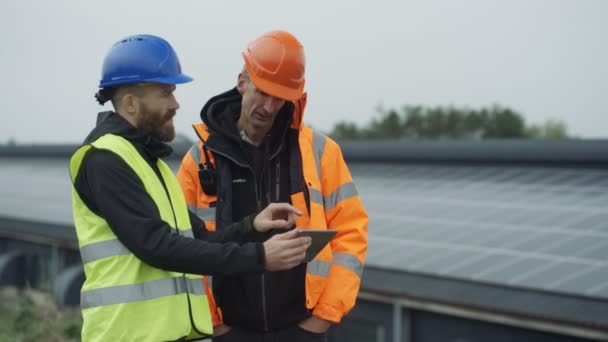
[273, 104]
[174, 104]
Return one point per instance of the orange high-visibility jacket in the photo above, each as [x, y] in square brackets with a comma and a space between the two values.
[333, 278]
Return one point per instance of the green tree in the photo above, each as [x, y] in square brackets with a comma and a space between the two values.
[413, 121]
[504, 123]
[388, 126]
[346, 130]
[417, 122]
[551, 129]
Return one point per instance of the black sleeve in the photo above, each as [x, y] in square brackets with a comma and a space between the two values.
[239, 232]
[111, 189]
[198, 225]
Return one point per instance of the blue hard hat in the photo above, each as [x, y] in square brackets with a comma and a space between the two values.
[141, 58]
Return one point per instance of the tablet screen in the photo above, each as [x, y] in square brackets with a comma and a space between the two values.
[320, 238]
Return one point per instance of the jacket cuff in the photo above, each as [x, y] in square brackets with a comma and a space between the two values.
[248, 223]
[327, 312]
[261, 255]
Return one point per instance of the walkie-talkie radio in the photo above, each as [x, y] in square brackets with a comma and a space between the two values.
[207, 175]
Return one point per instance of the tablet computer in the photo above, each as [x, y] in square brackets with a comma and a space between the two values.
[320, 238]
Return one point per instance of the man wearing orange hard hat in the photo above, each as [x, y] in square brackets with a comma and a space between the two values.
[254, 149]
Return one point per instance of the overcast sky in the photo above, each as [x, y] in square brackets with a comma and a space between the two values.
[546, 59]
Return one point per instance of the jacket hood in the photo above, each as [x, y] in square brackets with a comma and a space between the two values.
[221, 113]
[298, 112]
[110, 122]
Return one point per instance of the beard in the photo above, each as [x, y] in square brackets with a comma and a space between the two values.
[157, 123]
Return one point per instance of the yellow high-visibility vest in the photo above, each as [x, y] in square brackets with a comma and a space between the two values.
[123, 298]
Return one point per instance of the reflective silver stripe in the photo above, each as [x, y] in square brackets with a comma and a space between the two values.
[318, 267]
[321, 268]
[349, 261]
[343, 192]
[195, 153]
[209, 281]
[102, 250]
[316, 196]
[205, 214]
[109, 248]
[187, 233]
[318, 146]
[140, 292]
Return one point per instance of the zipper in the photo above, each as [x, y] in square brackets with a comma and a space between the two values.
[262, 278]
[259, 206]
[278, 183]
[264, 313]
[265, 168]
[255, 179]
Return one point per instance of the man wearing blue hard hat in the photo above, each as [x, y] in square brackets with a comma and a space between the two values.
[142, 249]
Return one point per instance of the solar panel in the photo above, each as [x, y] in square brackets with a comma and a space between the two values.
[505, 272]
[566, 246]
[468, 267]
[535, 227]
[545, 276]
[441, 262]
[597, 251]
[588, 281]
[523, 226]
[37, 190]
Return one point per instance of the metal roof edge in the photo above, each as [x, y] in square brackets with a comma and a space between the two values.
[574, 151]
[40, 232]
[480, 151]
[586, 312]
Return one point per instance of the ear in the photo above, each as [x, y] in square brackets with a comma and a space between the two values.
[131, 104]
[241, 83]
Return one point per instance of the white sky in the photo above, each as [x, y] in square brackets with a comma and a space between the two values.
[547, 59]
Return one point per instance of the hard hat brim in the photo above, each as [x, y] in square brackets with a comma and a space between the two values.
[177, 79]
[277, 90]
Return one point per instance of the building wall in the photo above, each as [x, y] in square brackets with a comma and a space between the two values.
[383, 322]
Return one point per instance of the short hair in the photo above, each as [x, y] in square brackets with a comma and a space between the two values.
[120, 91]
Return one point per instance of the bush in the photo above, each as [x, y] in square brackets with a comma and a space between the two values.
[30, 315]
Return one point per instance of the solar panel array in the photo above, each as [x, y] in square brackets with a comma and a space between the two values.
[534, 227]
[36, 189]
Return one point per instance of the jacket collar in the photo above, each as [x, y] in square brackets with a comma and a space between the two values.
[221, 113]
[111, 122]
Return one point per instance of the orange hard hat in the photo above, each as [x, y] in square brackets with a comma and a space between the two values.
[275, 63]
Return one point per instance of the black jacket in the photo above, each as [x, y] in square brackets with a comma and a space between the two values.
[112, 190]
[249, 178]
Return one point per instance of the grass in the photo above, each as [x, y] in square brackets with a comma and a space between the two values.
[30, 315]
